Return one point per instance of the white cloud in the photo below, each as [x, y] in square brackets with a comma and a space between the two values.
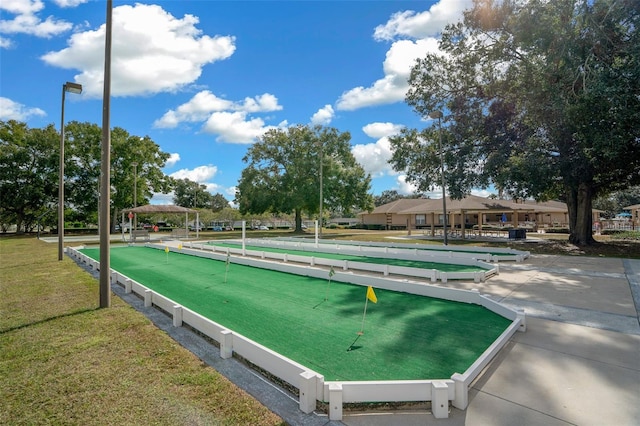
[424, 24]
[403, 187]
[379, 130]
[236, 127]
[413, 35]
[69, 3]
[26, 20]
[162, 199]
[196, 109]
[228, 119]
[10, 110]
[261, 103]
[22, 7]
[152, 52]
[5, 43]
[374, 157]
[323, 116]
[201, 174]
[173, 159]
[481, 192]
[394, 85]
[231, 191]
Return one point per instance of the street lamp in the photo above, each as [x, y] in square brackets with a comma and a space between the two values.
[438, 115]
[71, 88]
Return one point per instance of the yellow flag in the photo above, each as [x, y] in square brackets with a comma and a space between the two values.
[166, 249]
[371, 295]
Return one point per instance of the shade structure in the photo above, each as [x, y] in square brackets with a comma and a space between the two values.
[159, 208]
[165, 208]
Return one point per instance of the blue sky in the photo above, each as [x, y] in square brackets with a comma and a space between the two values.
[204, 79]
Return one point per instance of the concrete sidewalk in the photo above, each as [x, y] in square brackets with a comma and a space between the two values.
[577, 364]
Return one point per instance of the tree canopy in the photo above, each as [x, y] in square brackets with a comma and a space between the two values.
[28, 174]
[284, 168]
[192, 194]
[540, 99]
[391, 195]
[29, 160]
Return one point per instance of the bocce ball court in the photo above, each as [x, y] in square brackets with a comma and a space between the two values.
[320, 323]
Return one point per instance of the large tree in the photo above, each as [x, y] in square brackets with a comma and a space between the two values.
[187, 193]
[29, 161]
[540, 99]
[136, 169]
[28, 175]
[283, 174]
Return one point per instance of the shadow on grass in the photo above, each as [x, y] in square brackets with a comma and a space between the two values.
[46, 320]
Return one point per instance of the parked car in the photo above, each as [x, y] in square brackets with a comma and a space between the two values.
[217, 228]
[263, 228]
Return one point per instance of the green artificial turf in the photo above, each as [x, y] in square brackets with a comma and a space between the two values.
[444, 267]
[405, 336]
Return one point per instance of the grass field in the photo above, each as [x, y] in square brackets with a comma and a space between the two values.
[63, 361]
[406, 336]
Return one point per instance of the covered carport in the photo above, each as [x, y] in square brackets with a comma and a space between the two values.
[160, 208]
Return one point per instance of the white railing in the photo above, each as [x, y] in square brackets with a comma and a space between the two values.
[487, 271]
[488, 254]
[311, 384]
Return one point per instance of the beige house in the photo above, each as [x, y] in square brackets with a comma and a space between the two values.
[472, 211]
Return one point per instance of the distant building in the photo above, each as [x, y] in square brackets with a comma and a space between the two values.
[471, 212]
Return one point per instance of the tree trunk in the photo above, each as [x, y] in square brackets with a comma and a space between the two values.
[579, 203]
[298, 220]
[114, 220]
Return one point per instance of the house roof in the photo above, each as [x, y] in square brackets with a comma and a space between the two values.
[469, 204]
[398, 205]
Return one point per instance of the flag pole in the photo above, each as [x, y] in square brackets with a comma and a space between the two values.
[226, 270]
[366, 302]
[371, 295]
[331, 274]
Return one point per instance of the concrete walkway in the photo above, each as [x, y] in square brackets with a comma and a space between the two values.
[577, 364]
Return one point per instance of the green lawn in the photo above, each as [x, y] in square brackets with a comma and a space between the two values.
[421, 337]
[63, 361]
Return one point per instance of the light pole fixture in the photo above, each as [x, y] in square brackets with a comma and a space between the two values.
[438, 115]
[71, 88]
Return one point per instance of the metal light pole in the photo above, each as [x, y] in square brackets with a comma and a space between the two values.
[321, 198]
[105, 175]
[135, 193]
[438, 115]
[71, 88]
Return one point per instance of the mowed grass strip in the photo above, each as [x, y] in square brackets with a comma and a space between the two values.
[444, 267]
[64, 361]
[406, 336]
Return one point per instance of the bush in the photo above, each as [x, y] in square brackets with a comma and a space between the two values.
[620, 234]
